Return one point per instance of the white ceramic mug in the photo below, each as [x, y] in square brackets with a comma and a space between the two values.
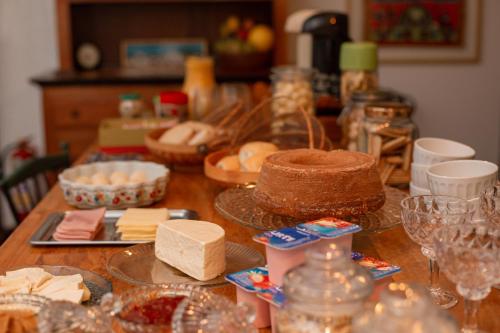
[465, 179]
[429, 151]
[419, 175]
[415, 190]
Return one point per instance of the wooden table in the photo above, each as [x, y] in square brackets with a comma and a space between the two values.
[191, 190]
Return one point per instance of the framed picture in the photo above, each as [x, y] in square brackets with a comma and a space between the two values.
[160, 55]
[419, 31]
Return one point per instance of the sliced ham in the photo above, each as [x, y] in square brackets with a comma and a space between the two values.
[80, 225]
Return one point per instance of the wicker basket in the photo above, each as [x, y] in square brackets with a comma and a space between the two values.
[173, 154]
[297, 130]
[223, 119]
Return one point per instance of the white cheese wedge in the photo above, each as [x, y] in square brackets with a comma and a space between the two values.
[194, 247]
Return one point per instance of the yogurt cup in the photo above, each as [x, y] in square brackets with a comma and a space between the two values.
[381, 271]
[261, 307]
[285, 248]
[248, 283]
[274, 297]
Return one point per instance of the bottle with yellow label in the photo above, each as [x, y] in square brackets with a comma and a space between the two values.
[199, 85]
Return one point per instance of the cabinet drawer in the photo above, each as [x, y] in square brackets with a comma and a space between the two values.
[82, 115]
[78, 140]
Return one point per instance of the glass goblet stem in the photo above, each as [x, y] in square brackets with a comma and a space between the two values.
[441, 297]
[434, 275]
[471, 310]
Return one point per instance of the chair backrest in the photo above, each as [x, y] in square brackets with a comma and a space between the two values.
[27, 185]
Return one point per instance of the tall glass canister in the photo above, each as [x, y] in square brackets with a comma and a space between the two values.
[292, 88]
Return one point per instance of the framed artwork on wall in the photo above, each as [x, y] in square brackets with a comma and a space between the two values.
[164, 55]
[419, 31]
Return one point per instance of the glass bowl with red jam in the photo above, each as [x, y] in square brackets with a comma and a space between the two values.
[147, 309]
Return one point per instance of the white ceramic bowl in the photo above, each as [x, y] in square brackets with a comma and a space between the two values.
[415, 190]
[429, 151]
[465, 179]
[419, 175]
[114, 196]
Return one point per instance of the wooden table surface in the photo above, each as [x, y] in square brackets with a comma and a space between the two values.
[191, 190]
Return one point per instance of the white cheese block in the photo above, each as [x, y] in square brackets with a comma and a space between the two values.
[194, 247]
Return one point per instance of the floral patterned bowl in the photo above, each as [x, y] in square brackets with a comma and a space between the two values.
[114, 196]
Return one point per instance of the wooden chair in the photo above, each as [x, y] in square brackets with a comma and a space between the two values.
[27, 185]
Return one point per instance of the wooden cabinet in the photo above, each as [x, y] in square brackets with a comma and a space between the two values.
[72, 113]
[75, 102]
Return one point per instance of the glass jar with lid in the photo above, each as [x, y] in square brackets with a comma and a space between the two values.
[131, 105]
[353, 114]
[323, 294]
[404, 308]
[387, 128]
[358, 62]
[294, 87]
[388, 134]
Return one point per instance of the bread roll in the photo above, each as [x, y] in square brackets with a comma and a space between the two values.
[99, 178]
[254, 163]
[138, 176]
[201, 137]
[231, 162]
[177, 135]
[253, 148]
[118, 178]
[191, 133]
[83, 180]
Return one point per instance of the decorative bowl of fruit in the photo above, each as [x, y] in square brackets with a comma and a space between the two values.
[244, 44]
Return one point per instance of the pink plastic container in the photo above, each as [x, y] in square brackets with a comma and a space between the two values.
[280, 261]
[262, 313]
[273, 310]
[379, 286]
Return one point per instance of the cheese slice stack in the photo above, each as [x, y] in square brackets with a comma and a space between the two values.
[35, 280]
[141, 223]
[194, 247]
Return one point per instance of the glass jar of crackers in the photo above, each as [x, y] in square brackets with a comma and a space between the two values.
[388, 134]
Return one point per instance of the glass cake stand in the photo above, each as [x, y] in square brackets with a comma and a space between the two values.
[138, 265]
[237, 205]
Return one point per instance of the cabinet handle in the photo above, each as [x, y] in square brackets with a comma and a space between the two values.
[75, 114]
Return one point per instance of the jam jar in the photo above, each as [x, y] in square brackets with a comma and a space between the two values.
[324, 293]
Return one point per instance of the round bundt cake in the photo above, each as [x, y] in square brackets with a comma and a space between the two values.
[310, 183]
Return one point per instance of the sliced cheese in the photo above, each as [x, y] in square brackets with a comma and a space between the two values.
[35, 280]
[194, 247]
[36, 275]
[138, 237]
[140, 223]
[75, 296]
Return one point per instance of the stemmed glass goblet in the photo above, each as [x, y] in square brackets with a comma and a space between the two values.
[421, 216]
[490, 204]
[469, 255]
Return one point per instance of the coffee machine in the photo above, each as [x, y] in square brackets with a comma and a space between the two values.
[319, 37]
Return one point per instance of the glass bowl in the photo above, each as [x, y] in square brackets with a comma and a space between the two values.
[25, 303]
[138, 303]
